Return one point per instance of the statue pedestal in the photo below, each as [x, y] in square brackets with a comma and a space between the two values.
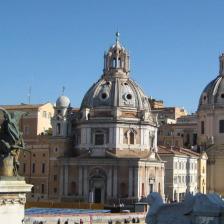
[12, 199]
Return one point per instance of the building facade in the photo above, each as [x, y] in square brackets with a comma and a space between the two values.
[181, 169]
[211, 129]
[35, 125]
[35, 121]
[182, 132]
[106, 150]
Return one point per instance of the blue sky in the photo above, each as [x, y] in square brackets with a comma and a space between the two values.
[174, 47]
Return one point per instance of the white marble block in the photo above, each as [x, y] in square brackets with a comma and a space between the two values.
[12, 199]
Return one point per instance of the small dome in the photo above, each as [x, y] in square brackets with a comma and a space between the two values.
[63, 101]
[213, 93]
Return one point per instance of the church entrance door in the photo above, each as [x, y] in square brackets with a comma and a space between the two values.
[97, 195]
[97, 185]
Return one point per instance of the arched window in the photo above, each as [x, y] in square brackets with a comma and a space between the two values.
[132, 138]
[58, 128]
[114, 63]
[119, 63]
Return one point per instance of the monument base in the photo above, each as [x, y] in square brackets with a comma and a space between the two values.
[12, 199]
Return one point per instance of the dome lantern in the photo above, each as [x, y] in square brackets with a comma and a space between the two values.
[116, 60]
[221, 61]
[213, 94]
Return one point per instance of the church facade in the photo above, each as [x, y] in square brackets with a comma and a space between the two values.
[106, 151]
[211, 129]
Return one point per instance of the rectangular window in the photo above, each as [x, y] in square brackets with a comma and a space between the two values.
[175, 179]
[99, 139]
[179, 179]
[33, 168]
[24, 167]
[202, 127]
[55, 177]
[150, 188]
[44, 114]
[183, 179]
[221, 126]
[42, 188]
[43, 167]
[194, 139]
[26, 130]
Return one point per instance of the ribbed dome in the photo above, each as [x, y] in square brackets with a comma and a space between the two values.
[63, 101]
[116, 93]
[213, 93]
[115, 88]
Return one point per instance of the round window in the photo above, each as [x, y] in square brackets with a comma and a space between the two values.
[104, 96]
[129, 96]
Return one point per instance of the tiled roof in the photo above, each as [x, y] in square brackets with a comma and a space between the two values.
[22, 106]
[176, 151]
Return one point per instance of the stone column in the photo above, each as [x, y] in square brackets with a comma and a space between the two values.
[86, 184]
[109, 183]
[111, 143]
[80, 181]
[136, 182]
[115, 182]
[12, 199]
[66, 180]
[61, 183]
[130, 182]
[147, 180]
[212, 164]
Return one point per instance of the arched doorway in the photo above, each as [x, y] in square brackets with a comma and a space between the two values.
[97, 185]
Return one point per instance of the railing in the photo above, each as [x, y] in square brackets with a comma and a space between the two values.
[75, 205]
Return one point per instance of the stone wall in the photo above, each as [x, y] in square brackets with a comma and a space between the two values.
[87, 218]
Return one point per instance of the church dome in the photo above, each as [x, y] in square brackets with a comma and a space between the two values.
[213, 93]
[116, 93]
[63, 101]
[115, 88]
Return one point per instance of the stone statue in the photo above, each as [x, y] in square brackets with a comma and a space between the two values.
[198, 209]
[11, 142]
[154, 201]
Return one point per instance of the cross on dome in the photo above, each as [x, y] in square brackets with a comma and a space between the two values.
[117, 37]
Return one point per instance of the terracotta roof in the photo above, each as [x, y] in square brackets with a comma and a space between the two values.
[22, 106]
[162, 150]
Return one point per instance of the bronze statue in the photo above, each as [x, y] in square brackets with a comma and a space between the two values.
[11, 142]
